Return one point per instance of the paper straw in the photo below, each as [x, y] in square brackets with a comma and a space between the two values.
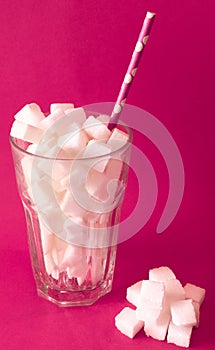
[132, 68]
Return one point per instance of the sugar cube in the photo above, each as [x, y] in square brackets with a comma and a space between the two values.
[133, 293]
[174, 290]
[99, 149]
[26, 132]
[127, 323]
[195, 293]
[152, 293]
[117, 139]
[74, 141]
[49, 121]
[62, 106]
[151, 300]
[183, 313]
[30, 114]
[161, 274]
[179, 335]
[147, 312]
[96, 129]
[157, 329]
[197, 312]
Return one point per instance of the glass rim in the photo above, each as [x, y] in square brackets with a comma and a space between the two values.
[124, 146]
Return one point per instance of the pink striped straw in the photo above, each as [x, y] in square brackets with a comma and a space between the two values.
[132, 68]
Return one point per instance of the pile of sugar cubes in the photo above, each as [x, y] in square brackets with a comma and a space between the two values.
[72, 133]
[164, 308]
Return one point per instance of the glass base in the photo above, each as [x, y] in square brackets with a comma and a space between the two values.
[65, 298]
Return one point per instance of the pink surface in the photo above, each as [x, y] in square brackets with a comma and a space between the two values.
[78, 51]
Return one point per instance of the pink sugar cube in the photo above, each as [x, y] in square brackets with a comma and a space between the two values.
[62, 106]
[174, 290]
[183, 313]
[195, 293]
[133, 293]
[197, 312]
[161, 274]
[127, 323]
[179, 335]
[96, 129]
[157, 329]
[30, 114]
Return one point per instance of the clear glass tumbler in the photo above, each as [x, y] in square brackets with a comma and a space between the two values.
[72, 208]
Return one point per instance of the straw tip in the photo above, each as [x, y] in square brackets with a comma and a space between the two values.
[150, 14]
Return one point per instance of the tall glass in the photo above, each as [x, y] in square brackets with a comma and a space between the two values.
[72, 208]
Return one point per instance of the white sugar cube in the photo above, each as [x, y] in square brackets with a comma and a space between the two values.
[71, 207]
[49, 121]
[30, 172]
[50, 266]
[47, 238]
[96, 185]
[62, 106]
[161, 274]
[151, 300]
[42, 191]
[157, 329]
[60, 169]
[183, 313]
[75, 261]
[195, 293]
[104, 118]
[76, 115]
[113, 168]
[78, 271]
[60, 247]
[26, 132]
[133, 293]
[97, 149]
[127, 323]
[32, 148]
[96, 129]
[147, 313]
[30, 114]
[152, 293]
[65, 124]
[179, 335]
[174, 290]
[96, 270]
[117, 139]
[74, 141]
[73, 254]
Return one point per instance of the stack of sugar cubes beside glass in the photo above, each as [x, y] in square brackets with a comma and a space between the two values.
[78, 136]
[164, 308]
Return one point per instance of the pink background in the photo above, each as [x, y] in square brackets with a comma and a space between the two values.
[78, 51]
